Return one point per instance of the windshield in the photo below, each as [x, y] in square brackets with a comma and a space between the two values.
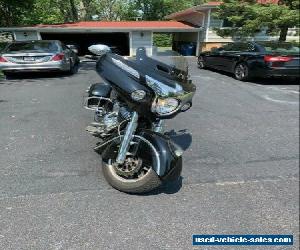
[286, 48]
[34, 46]
[170, 57]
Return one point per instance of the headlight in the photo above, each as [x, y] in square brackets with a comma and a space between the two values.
[165, 106]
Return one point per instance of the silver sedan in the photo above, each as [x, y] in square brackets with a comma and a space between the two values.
[38, 55]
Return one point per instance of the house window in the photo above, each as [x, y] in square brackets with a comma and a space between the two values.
[218, 23]
[215, 23]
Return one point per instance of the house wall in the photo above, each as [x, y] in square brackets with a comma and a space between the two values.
[26, 35]
[210, 38]
[141, 39]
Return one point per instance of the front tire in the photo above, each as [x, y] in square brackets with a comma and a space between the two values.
[136, 175]
[145, 184]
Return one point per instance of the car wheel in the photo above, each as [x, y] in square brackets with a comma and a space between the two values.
[201, 63]
[73, 68]
[241, 72]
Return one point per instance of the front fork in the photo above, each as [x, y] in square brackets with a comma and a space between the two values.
[129, 133]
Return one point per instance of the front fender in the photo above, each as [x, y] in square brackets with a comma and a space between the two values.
[169, 154]
[165, 154]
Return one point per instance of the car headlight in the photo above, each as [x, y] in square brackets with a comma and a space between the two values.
[165, 106]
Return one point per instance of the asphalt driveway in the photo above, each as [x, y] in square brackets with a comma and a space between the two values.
[240, 168]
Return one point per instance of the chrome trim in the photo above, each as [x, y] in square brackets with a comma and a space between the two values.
[183, 99]
[130, 129]
[155, 152]
[126, 68]
[86, 100]
[141, 138]
[162, 89]
[158, 126]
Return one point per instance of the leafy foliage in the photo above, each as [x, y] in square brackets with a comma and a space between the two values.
[16, 12]
[12, 12]
[162, 40]
[248, 17]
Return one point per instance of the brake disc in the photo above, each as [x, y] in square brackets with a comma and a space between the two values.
[130, 167]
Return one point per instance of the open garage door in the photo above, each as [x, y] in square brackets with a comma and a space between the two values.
[118, 41]
[186, 43]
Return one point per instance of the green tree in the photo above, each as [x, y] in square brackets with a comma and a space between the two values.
[12, 12]
[29, 12]
[158, 9]
[248, 17]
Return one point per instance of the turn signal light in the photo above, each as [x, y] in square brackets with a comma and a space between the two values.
[2, 59]
[277, 58]
[58, 57]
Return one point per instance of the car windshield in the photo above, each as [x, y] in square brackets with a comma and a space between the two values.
[275, 48]
[35, 46]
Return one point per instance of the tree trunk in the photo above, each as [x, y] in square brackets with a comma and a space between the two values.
[74, 11]
[283, 34]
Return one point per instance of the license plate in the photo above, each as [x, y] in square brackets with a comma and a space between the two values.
[29, 58]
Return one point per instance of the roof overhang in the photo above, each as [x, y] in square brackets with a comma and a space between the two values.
[99, 30]
[196, 9]
[110, 27]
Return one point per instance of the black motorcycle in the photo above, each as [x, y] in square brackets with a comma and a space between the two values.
[130, 107]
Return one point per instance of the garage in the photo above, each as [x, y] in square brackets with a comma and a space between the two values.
[124, 37]
[119, 42]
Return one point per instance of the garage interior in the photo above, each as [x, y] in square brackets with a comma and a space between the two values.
[119, 42]
[185, 43]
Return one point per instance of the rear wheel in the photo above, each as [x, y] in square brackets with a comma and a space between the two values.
[136, 174]
[241, 72]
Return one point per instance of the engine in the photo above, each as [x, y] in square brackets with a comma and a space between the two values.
[108, 117]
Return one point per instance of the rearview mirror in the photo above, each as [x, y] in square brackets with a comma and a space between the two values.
[99, 49]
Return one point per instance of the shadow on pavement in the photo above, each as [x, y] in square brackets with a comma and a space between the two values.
[182, 138]
[262, 81]
[171, 187]
[276, 81]
[79, 69]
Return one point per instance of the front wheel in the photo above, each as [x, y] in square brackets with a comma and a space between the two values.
[143, 184]
[136, 174]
